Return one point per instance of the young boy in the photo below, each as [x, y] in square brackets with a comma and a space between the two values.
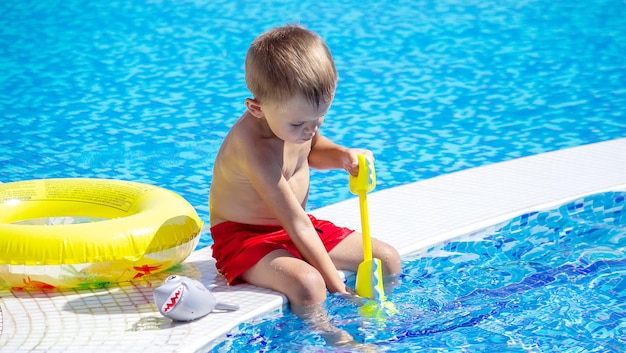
[261, 232]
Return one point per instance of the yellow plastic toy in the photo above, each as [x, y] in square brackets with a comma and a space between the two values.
[369, 282]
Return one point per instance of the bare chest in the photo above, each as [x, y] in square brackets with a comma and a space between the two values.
[295, 161]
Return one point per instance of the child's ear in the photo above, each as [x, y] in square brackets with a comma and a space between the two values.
[254, 107]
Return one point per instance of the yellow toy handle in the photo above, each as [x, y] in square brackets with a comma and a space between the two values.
[364, 182]
[365, 228]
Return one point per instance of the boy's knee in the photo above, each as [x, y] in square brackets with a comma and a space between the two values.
[390, 259]
[309, 288]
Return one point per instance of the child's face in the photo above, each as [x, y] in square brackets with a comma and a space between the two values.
[296, 121]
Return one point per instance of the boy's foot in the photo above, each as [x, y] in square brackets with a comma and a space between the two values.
[338, 338]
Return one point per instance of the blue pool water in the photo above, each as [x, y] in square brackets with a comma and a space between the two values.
[546, 281]
[146, 90]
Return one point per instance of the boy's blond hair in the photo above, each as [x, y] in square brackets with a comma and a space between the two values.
[287, 62]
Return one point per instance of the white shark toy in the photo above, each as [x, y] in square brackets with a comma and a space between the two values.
[181, 298]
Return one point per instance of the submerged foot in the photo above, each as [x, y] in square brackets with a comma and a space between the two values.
[338, 338]
[341, 338]
[316, 316]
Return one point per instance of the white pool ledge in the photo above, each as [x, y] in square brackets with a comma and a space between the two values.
[415, 216]
[412, 217]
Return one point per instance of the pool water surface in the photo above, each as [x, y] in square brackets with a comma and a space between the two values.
[146, 90]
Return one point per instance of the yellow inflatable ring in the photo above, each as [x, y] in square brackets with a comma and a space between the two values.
[68, 233]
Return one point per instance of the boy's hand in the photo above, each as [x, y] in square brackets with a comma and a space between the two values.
[351, 161]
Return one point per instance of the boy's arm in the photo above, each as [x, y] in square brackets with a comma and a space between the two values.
[265, 173]
[326, 154]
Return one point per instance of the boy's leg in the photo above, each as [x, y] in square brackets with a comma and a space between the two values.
[303, 285]
[281, 271]
[348, 254]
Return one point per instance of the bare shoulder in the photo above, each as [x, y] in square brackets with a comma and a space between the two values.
[242, 142]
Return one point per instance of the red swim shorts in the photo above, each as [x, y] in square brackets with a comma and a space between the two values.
[237, 247]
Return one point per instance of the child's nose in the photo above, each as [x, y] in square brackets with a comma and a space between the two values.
[313, 127]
